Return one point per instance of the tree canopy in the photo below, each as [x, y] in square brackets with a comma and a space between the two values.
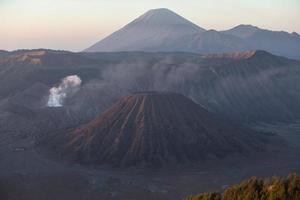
[258, 189]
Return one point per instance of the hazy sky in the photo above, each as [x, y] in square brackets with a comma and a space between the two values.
[77, 24]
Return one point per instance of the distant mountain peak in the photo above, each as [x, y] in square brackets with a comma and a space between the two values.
[243, 30]
[149, 31]
[164, 16]
[159, 11]
[162, 30]
[246, 26]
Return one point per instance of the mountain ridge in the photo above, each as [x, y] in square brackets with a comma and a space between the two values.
[217, 81]
[162, 30]
[239, 55]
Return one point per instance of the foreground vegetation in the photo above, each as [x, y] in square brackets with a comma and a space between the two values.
[258, 189]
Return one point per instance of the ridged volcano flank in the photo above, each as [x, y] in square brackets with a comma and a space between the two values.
[156, 128]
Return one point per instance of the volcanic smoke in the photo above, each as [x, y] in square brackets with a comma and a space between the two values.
[68, 85]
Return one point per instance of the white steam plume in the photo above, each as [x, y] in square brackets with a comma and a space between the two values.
[68, 85]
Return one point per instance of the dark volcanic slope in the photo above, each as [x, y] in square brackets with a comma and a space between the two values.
[156, 128]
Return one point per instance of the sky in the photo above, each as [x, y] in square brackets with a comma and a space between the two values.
[77, 24]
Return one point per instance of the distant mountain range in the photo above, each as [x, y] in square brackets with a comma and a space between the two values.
[251, 86]
[162, 30]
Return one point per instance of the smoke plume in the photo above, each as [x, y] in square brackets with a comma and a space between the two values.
[68, 85]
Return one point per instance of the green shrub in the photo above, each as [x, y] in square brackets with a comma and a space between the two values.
[258, 189]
